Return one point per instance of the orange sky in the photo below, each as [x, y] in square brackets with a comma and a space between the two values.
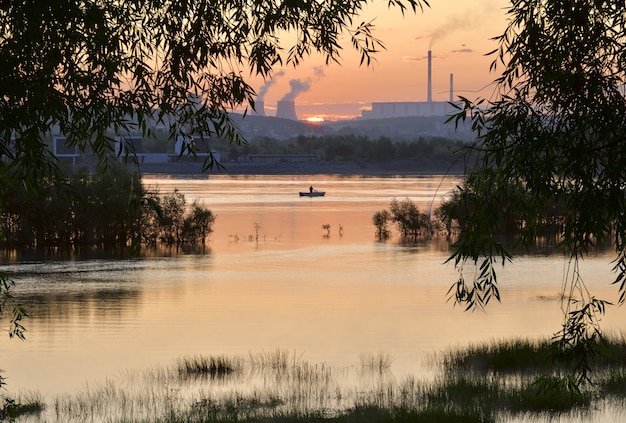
[457, 31]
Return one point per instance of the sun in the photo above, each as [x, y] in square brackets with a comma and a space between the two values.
[315, 119]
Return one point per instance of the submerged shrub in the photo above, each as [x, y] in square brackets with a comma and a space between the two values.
[171, 217]
[88, 209]
[198, 225]
[98, 209]
[410, 221]
[381, 221]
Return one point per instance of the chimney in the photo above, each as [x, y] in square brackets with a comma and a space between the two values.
[430, 76]
[286, 110]
[451, 88]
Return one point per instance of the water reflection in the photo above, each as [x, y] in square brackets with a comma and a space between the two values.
[331, 298]
[99, 304]
[112, 254]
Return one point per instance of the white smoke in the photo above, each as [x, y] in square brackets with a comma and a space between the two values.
[263, 90]
[298, 86]
[477, 15]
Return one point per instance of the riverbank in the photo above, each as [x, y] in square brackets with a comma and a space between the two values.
[400, 167]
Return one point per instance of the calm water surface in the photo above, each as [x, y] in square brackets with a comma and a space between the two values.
[329, 298]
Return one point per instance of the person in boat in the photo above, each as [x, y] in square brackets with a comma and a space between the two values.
[311, 189]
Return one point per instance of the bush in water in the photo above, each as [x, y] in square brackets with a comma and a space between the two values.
[103, 209]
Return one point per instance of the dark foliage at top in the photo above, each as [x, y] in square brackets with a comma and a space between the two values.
[94, 69]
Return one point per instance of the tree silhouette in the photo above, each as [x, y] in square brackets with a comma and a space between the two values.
[554, 136]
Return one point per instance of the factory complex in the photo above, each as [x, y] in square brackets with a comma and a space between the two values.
[286, 107]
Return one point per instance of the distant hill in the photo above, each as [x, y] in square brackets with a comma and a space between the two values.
[406, 128]
[254, 126]
[403, 128]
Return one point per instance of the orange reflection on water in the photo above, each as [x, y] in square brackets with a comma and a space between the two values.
[330, 299]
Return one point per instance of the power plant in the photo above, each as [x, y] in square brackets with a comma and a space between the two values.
[451, 88]
[429, 96]
[259, 107]
[286, 109]
[414, 108]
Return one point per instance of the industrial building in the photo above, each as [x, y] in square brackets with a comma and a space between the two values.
[381, 110]
[428, 108]
[286, 108]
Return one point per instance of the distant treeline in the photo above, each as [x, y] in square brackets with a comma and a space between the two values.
[350, 148]
[331, 148]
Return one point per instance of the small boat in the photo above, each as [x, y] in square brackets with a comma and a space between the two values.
[312, 194]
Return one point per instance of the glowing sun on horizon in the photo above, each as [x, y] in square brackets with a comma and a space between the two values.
[315, 119]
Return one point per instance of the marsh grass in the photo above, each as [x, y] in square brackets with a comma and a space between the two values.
[509, 356]
[482, 383]
[214, 367]
[27, 404]
[379, 362]
[528, 357]
[275, 359]
[529, 378]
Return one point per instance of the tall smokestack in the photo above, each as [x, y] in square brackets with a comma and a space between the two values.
[430, 76]
[286, 109]
[451, 88]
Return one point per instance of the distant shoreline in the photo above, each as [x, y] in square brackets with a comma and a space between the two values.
[404, 168]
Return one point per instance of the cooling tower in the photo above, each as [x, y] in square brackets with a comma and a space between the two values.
[430, 77]
[259, 108]
[286, 110]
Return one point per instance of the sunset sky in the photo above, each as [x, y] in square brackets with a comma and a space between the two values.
[457, 31]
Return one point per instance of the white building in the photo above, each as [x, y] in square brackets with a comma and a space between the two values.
[395, 109]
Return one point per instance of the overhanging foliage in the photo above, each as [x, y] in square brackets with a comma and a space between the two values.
[94, 69]
[555, 135]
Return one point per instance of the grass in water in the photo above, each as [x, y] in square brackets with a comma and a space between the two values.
[213, 367]
[510, 356]
[30, 404]
[380, 362]
[526, 356]
[481, 383]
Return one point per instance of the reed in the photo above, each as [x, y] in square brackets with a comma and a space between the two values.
[552, 393]
[27, 404]
[508, 356]
[379, 362]
[612, 351]
[528, 356]
[202, 366]
[482, 383]
[276, 359]
[613, 383]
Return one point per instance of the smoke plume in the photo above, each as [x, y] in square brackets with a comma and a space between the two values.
[318, 71]
[263, 90]
[478, 14]
[298, 86]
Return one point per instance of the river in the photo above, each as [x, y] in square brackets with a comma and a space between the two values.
[271, 277]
